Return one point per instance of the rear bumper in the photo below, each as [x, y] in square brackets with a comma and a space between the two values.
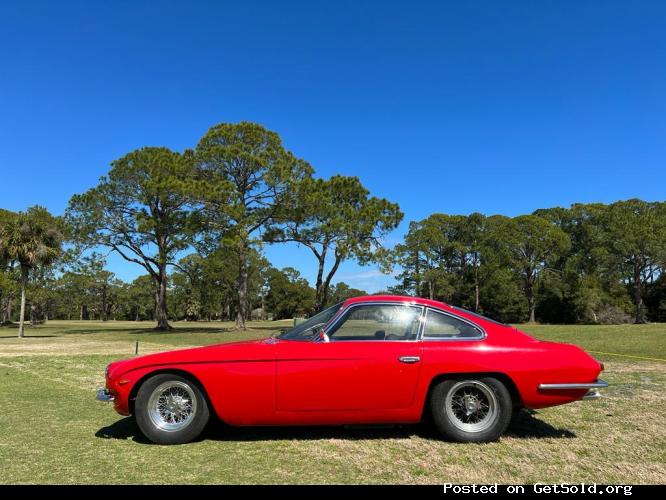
[592, 388]
[599, 384]
[592, 394]
[104, 395]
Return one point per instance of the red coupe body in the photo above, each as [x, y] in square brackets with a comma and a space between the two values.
[366, 375]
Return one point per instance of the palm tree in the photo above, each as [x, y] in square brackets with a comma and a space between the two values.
[31, 239]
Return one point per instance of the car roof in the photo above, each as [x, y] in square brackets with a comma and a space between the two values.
[399, 298]
[468, 315]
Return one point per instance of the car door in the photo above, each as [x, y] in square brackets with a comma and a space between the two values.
[372, 362]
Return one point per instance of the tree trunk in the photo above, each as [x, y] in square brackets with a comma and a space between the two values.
[417, 272]
[104, 306]
[241, 314]
[327, 281]
[476, 289]
[161, 301]
[531, 304]
[638, 295]
[24, 282]
[319, 285]
[263, 305]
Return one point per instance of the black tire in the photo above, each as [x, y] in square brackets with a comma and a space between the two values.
[157, 425]
[478, 392]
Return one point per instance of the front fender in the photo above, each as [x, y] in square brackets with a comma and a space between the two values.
[240, 393]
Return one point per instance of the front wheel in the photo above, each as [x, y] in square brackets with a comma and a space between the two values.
[471, 410]
[170, 409]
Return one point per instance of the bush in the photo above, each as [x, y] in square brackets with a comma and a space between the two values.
[611, 315]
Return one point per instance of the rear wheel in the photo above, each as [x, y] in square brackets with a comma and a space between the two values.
[471, 410]
[171, 409]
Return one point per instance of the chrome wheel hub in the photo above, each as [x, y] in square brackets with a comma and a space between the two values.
[172, 406]
[471, 406]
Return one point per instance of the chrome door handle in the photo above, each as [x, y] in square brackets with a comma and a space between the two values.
[409, 359]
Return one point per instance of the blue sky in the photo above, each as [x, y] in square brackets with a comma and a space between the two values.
[455, 107]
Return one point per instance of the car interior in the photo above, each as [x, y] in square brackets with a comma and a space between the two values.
[386, 322]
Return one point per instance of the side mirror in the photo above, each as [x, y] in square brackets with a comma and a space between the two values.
[322, 337]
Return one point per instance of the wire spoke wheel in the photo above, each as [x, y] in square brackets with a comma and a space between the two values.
[471, 406]
[172, 406]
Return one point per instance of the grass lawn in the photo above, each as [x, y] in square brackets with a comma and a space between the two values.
[53, 431]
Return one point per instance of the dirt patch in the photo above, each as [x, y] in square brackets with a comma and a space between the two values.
[73, 345]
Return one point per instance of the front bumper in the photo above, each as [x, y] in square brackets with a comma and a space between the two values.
[592, 392]
[104, 395]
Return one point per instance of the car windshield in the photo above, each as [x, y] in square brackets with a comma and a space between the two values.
[477, 315]
[310, 327]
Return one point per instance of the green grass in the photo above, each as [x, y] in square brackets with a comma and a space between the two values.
[54, 432]
[629, 340]
[184, 333]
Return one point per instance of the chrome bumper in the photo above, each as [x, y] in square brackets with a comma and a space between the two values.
[104, 395]
[592, 392]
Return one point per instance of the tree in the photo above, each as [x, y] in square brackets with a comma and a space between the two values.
[335, 218]
[635, 236]
[31, 239]
[289, 294]
[6, 282]
[245, 175]
[74, 287]
[656, 299]
[501, 294]
[208, 282]
[588, 287]
[97, 284]
[5, 218]
[342, 291]
[9, 290]
[527, 245]
[441, 258]
[187, 288]
[140, 299]
[215, 274]
[472, 234]
[140, 211]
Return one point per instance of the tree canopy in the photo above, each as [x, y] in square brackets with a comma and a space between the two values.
[336, 219]
[31, 239]
[245, 175]
[140, 211]
[197, 223]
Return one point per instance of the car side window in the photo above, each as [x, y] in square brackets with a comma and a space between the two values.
[440, 326]
[378, 322]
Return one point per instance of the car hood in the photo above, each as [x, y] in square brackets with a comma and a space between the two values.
[249, 350]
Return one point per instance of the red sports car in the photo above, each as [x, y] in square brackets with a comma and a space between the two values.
[369, 360]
